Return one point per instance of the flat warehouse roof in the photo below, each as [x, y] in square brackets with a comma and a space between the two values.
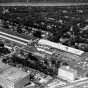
[13, 74]
[14, 40]
[3, 66]
[60, 46]
[46, 50]
[10, 36]
[68, 69]
[8, 31]
[71, 50]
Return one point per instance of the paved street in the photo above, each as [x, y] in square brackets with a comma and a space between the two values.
[70, 85]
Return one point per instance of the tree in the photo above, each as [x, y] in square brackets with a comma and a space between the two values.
[37, 34]
[76, 30]
[1, 44]
[65, 64]
[1, 86]
[32, 77]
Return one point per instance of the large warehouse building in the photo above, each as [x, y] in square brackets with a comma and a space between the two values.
[60, 46]
[65, 51]
[3, 66]
[13, 78]
[67, 73]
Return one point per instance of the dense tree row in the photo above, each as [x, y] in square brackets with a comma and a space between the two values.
[3, 50]
[34, 63]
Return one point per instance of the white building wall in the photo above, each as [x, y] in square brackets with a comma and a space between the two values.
[6, 83]
[68, 75]
[22, 82]
[9, 84]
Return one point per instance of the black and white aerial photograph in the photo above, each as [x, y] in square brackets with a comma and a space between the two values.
[43, 43]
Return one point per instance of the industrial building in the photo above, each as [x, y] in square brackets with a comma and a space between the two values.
[65, 51]
[60, 46]
[39, 55]
[15, 34]
[49, 51]
[18, 38]
[67, 73]
[3, 66]
[9, 46]
[13, 39]
[13, 78]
